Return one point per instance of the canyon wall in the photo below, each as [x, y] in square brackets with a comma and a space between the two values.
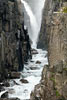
[13, 51]
[49, 7]
[53, 85]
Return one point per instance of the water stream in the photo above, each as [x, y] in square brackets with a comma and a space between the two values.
[32, 73]
[33, 16]
[33, 23]
[33, 70]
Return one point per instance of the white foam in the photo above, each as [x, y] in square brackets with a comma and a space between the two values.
[23, 91]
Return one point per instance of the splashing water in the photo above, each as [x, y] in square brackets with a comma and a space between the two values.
[34, 25]
[31, 73]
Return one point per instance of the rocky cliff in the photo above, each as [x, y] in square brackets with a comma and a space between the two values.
[53, 85]
[13, 47]
[49, 7]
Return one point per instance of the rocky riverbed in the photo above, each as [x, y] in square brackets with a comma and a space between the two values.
[31, 75]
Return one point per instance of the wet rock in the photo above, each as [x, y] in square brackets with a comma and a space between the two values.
[11, 91]
[5, 83]
[2, 89]
[33, 68]
[15, 83]
[4, 95]
[15, 75]
[24, 81]
[9, 99]
[38, 62]
[34, 51]
[31, 61]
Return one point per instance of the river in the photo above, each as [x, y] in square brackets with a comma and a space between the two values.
[32, 73]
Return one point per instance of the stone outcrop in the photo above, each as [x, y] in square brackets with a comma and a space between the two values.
[53, 85]
[11, 23]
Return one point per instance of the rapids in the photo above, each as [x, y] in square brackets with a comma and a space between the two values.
[32, 73]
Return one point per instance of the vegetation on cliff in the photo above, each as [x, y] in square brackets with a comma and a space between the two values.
[64, 9]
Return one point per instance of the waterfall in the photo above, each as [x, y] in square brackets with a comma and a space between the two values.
[34, 25]
[35, 20]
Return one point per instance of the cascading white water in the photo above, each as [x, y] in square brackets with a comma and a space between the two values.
[33, 22]
[32, 71]
[33, 9]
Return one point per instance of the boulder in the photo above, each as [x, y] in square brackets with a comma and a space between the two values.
[11, 91]
[31, 61]
[33, 68]
[24, 81]
[5, 83]
[1, 88]
[34, 51]
[15, 75]
[38, 62]
[4, 95]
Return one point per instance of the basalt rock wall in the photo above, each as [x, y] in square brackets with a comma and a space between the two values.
[49, 7]
[11, 22]
[53, 85]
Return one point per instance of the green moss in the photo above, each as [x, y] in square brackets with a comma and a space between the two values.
[18, 24]
[57, 93]
[65, 69]
[52, 73]
[64, 9]
[52, 79]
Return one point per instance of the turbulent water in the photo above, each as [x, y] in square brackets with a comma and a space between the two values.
[33, 16]
[32, 73]
[33, 23]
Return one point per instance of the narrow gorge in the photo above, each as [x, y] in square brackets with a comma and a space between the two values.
[33, 49]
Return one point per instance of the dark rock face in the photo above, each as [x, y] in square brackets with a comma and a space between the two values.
[53, 85]
[13, 50]
[5, 95]
[9, 99]
[14, 75]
